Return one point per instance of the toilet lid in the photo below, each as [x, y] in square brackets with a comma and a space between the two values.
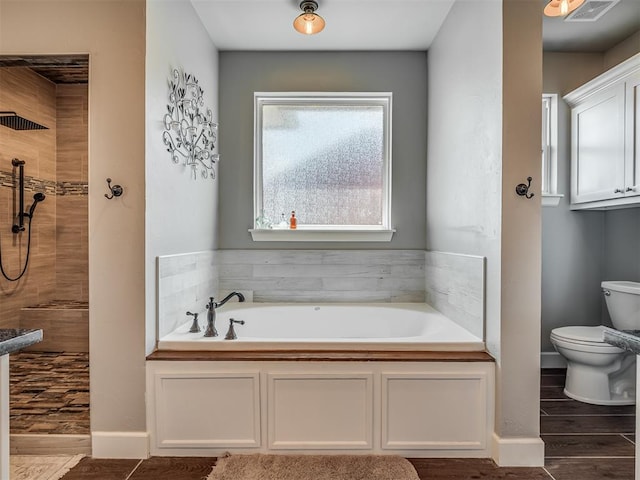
[581, 334]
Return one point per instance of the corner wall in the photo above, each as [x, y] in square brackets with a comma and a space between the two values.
[181, 211]
[112, 32]
[483, 140]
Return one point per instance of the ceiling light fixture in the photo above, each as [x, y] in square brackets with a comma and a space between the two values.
[560, 8]
[309, 22]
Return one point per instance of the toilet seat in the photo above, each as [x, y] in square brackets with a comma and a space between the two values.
[584, 338]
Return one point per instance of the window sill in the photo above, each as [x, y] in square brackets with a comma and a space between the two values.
[551, 199]
[320, 235]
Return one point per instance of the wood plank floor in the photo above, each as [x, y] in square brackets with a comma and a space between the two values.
[582, 442]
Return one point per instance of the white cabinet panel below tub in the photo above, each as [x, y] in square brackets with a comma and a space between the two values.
[320, 411]
[207, 410]
[434, 411]
[416, 409]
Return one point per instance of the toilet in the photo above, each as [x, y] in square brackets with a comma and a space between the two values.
[597, 372]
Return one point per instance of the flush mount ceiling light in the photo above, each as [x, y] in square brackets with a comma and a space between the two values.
[309, 22]
[560, 8]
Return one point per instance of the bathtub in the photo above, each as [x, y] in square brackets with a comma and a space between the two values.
[396, 379]
[398, 326]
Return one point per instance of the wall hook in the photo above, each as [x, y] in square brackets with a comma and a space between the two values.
[116, 190]
[523, 190]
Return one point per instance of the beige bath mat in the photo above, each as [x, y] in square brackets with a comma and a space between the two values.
[313, 467]
[41, 467]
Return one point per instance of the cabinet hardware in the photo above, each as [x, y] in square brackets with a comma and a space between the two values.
[630, 189]
[618, 190]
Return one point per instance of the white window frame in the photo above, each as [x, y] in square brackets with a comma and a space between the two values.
[550, 195]
[306, 233]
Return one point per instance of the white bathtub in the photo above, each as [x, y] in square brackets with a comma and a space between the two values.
[398, 326]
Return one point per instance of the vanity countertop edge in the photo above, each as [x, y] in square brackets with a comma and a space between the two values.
[628, 340]
[14, 339]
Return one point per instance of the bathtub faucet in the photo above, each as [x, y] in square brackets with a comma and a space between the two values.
[211, 314]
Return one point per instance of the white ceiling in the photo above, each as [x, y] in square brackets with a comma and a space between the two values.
[351, 24]
[385, 25]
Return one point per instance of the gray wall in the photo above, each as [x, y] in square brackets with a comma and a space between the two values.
[580, 249]
[243, 73]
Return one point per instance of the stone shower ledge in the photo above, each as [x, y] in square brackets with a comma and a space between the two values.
[14, 339]
[628, 340]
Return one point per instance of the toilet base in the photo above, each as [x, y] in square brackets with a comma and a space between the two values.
[613, 401]
[597, 386]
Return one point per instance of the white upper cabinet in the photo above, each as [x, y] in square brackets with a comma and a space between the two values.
[605, 139]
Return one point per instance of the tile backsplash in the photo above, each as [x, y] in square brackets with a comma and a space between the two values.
[186, 281]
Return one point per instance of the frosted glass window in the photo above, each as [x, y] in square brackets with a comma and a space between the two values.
[324, 156]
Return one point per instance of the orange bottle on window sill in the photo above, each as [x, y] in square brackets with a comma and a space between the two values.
[293, 222]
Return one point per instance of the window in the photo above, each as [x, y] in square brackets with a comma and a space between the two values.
[550, 196]
[327, 157]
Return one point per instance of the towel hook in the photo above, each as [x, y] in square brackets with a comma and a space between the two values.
[116, 190]
[523, 190]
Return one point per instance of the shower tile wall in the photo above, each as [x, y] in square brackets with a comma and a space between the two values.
[72, 241]
[33, 97]
[56, 164]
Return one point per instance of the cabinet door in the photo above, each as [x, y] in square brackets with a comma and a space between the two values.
[632, 147]
[597, 146]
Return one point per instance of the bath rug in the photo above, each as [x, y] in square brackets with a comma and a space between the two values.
[313, 467]
[41, 467]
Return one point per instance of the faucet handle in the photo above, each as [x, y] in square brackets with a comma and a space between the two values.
[195, 328]
[231, 334]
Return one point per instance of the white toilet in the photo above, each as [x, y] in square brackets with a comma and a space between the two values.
[597, 372]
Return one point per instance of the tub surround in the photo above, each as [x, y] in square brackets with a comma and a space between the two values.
[11, 340]
[415, 409]
[314, 398]
[455, 287]
[453, 284]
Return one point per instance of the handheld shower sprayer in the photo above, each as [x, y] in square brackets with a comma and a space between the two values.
[19, 225]
[38, 197]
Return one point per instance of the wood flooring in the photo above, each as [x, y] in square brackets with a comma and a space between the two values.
[582, 442]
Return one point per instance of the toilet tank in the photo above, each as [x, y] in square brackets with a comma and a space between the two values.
[623, 303]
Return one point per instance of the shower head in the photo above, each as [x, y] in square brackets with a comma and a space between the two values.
[38, 197]
[13, 120]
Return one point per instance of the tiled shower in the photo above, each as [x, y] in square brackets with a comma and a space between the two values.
[53, 294]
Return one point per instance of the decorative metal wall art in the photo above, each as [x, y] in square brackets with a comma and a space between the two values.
[190, 134]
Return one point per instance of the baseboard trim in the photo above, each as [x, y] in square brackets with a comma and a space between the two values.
[120, 444]
[49, 444]
[552, 360]
[518, 452]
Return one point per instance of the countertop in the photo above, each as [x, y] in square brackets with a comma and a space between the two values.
[626, 339]
[14, 339]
